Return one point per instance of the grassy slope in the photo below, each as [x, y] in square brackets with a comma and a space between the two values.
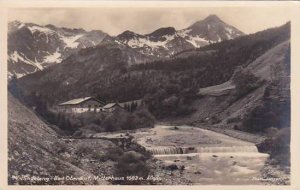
[216, 106]
[33, 148]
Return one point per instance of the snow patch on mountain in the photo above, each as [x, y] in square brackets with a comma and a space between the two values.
[53, 58]
[45, 30]
[70, 41]
[229, 30]
[15, 57]
[184, 33]
[21, 25]
[197, 41]
[43, 46]
[141, 42]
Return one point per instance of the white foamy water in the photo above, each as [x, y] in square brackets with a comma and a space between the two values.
[234, 168]
[208, 157]
[187, 150]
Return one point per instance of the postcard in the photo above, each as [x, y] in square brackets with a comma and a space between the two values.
[155, 94]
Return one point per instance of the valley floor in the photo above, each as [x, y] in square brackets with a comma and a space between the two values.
[181, 154]
[193, 156]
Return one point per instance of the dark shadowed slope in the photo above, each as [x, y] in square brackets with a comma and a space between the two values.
[35, 150]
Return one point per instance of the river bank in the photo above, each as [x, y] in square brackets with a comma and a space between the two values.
[200, 156]
[195, 156]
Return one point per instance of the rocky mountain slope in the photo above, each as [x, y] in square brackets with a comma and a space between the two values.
[168, 41]
[34, 150]
[32, 47]
[107, 73]
[218, 101]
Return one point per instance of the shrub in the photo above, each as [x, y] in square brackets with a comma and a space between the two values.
[244, 81]
[131, 164]
[233, 119]
[114, 153]
[267, 114]
[143, 118]
[110, 123]
[60, 147]
[215, 120]
[83, 150]
[278, 146]
[94, 127]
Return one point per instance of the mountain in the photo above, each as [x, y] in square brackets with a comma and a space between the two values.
[109, 71]
[168, 41]
[35, 149]
[31, 147]
[272, 68]
[87, 67]
[32, 47]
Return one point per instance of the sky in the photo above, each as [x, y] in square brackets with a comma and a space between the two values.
[144, 20]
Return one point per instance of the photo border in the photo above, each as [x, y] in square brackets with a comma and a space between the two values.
[293, 9]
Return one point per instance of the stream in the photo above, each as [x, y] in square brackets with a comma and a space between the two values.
[207, 157]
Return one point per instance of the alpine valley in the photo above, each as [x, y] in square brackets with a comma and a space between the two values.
[199, 105]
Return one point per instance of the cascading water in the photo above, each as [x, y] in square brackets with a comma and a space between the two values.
[251, 148]
[187, 150]
[165, 150]
[208, 157]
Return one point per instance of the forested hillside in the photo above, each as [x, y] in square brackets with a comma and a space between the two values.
[162, 83]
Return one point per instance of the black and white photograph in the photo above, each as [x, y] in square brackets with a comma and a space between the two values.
[144, 95]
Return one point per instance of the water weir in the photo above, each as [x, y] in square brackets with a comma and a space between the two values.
[187, 150]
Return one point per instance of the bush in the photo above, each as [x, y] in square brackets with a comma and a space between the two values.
[278, 146]
[114, 153]
[233, 119]
[61, 147]
[143, 118]
[268, 114]
[244, 81]
[94, 127]
[78, 124]
[83, 150]
[123, 120]
[131, 164]
[215, 120]
[110, 123]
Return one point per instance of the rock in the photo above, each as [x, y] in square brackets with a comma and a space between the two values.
[182, 167]
[215, 156]
[231, 157]
[197, 172]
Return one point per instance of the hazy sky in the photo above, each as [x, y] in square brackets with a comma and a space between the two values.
[145, 20]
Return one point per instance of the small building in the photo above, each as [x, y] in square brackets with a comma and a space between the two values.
[80, 105]
[111, 107]
[133, 104]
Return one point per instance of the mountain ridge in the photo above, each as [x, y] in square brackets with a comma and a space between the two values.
[33, 47]
[163, 42]
[108, 77]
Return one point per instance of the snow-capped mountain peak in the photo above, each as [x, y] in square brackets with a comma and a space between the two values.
[166, 41]
[33, 47]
